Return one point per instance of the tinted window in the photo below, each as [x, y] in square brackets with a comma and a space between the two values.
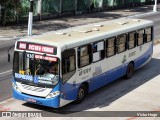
[84, 55]
[131, 40]
[148, 32]
[68, 64]
[110, 47]
[140, 34]
[121, 43]
[98, 51]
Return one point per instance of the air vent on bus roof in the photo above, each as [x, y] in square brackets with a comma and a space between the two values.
[122, 22]
[61, 33]
[82, 31]
[136, 20]
[98, 25]
[95, 29]
[86, 31]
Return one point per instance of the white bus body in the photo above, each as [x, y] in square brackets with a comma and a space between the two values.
[88, 57]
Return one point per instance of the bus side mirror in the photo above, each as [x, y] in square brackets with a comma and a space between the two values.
[9, 56]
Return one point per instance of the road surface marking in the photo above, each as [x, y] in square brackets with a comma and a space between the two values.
[5, 72]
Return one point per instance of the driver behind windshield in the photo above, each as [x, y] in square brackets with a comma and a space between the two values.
[40, 70]
[47, 67]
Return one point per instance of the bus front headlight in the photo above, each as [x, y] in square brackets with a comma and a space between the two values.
[15, 87]
[53, 94]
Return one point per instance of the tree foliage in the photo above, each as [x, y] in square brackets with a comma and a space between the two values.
[4, 2]
[9, 4]
[11, 9]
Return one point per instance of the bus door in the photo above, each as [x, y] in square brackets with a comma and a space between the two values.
[68, 74]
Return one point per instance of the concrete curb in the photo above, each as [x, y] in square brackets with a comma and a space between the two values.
[7, 38]
[143, 15]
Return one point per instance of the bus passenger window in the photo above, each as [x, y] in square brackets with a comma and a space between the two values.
[131, 40]
[148, 32]
[68, 64]
[121, 43]
[98, 51]
[110, 47]
[140, 39]
[84, 56]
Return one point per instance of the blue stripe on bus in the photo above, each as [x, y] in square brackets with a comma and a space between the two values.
[142, 59]
[69, 91]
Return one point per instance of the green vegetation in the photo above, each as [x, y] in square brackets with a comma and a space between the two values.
[10, 10]
[17, 10]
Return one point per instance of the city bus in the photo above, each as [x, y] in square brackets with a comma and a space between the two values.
[58, 67]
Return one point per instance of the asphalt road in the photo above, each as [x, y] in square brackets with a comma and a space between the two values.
[5, 74]
[5, 67]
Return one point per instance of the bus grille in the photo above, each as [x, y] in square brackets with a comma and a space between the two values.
[33, 88]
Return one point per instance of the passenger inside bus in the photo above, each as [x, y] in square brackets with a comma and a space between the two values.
[47, 67]
[53, 67]
[40, 70]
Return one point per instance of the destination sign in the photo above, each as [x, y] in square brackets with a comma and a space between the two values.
[37, 48]
[22, 46]
[46, 58]
[40, 48]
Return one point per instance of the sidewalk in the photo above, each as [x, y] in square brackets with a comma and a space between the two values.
[20, 30]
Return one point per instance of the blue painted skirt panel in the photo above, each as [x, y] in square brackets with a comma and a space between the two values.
[50, 102]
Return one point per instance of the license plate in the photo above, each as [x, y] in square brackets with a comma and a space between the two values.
[31, 100]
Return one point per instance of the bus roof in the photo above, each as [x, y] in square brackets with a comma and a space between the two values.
[80, 35]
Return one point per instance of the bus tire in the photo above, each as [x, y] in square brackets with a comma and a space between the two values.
[82, 92]
[57, 110]
[130, 70]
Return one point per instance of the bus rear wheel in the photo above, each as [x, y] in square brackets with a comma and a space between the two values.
[82, 92]
[130, 70]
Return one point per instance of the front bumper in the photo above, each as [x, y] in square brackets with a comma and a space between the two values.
[50, 102]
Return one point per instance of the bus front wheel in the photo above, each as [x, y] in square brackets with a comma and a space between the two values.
[130, 70]
[81, 94]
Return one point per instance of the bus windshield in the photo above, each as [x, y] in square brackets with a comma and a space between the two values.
[35, 68]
